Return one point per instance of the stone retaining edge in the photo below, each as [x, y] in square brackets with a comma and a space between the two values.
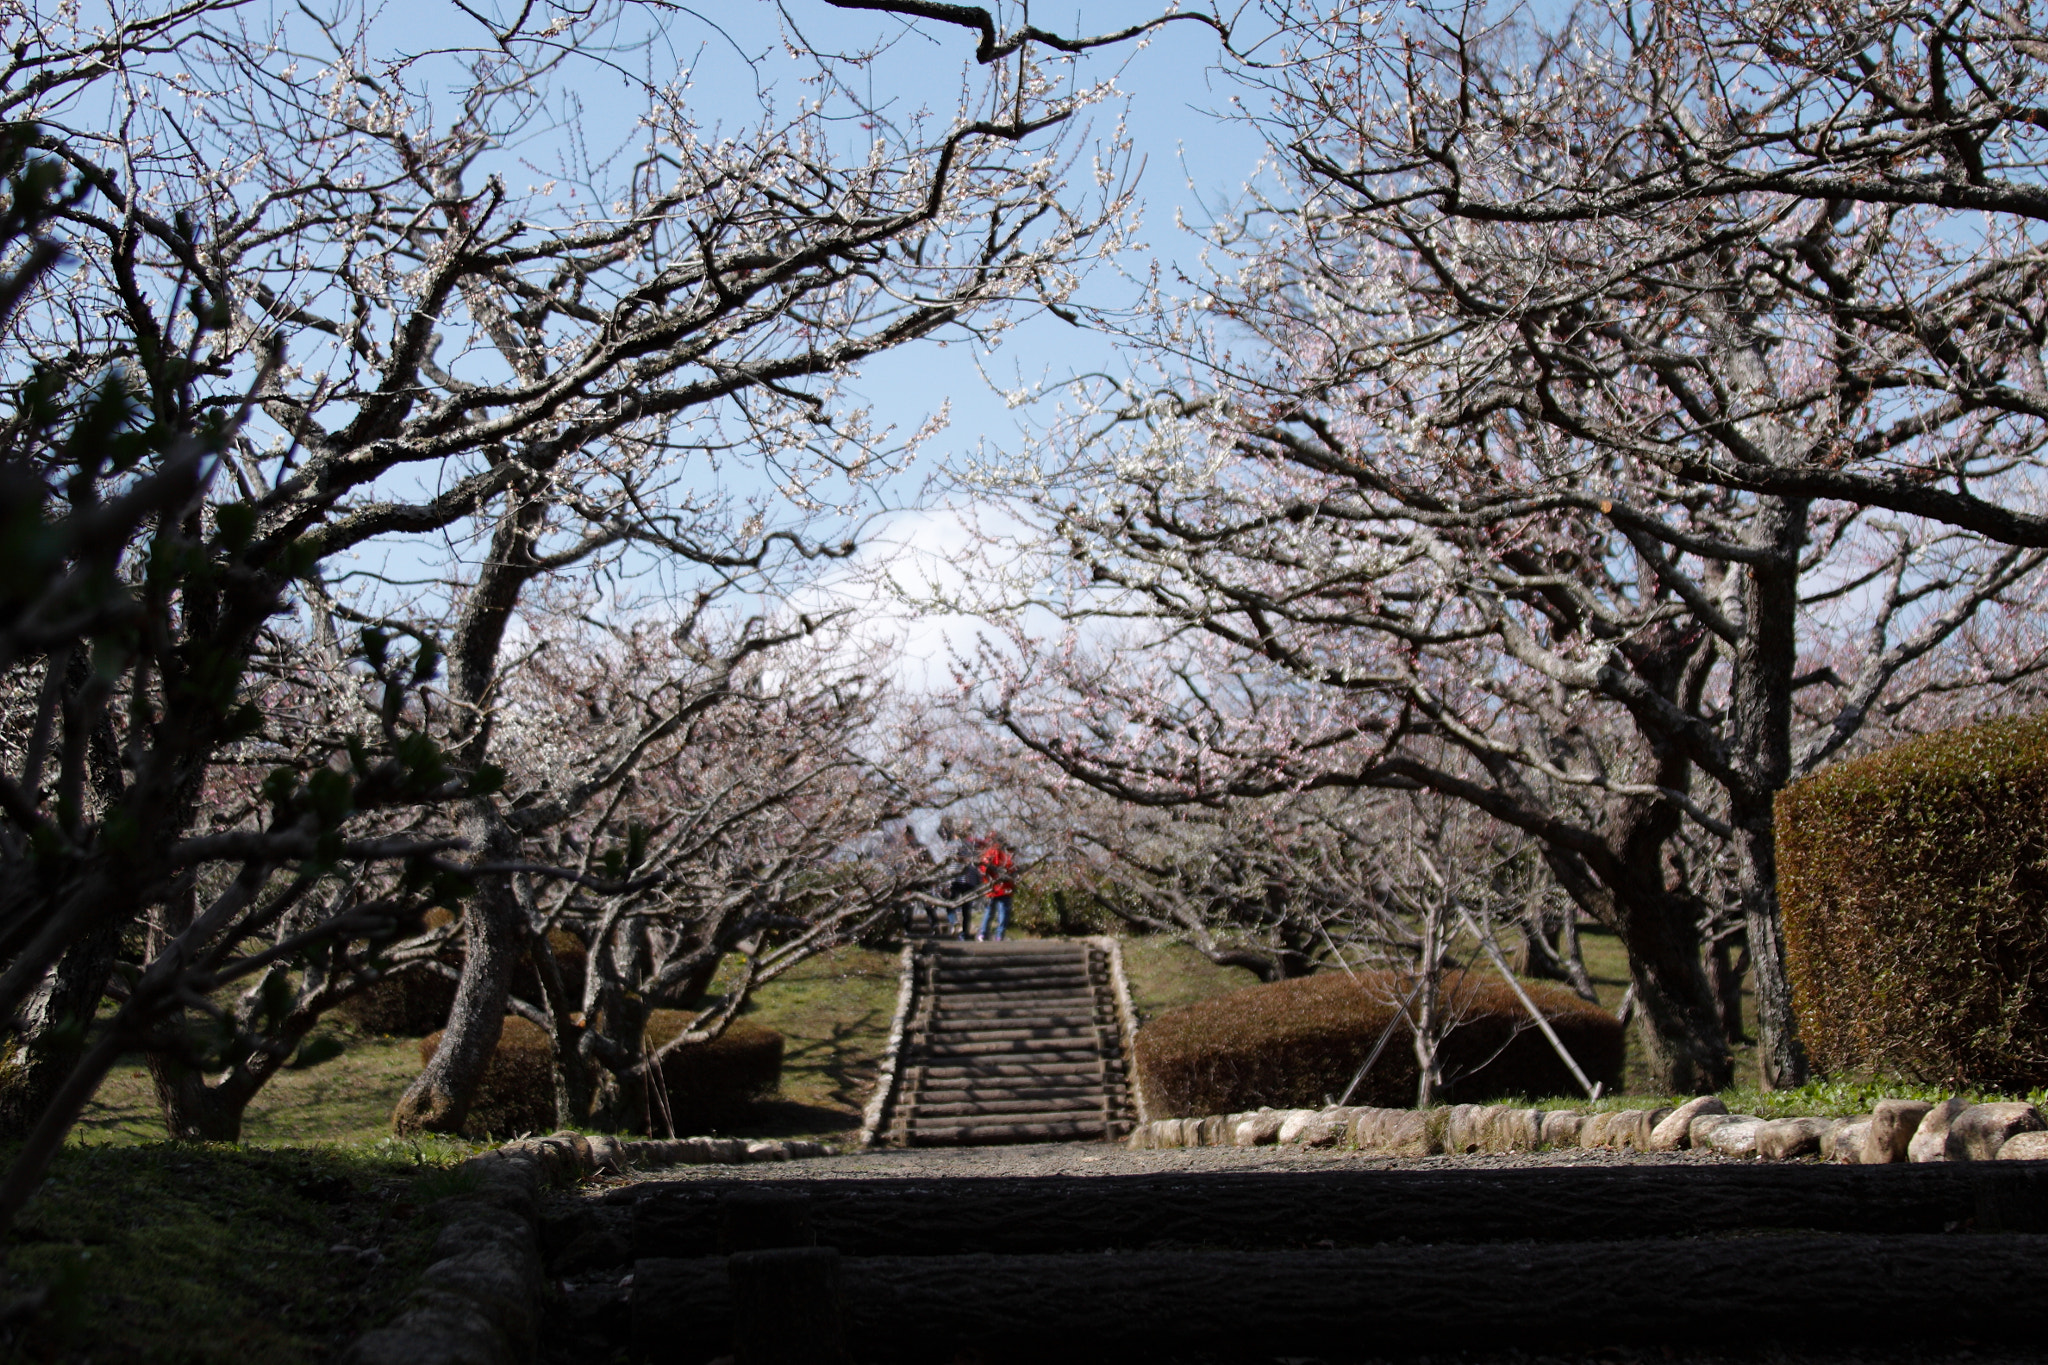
[478, 1303]
[1127, 1021]
[1897, 1131]
[892, 1051]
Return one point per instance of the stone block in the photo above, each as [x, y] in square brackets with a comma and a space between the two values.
[1294, 1122]
[1594, 1131]
[1735, 1134]
[1978, 1132]
[608, 1154]
[1514, 1130]
[1167, 1134]
[1843, 1142]
[1673, 1132]
[1561, 1127]
[1892, 1126]
[1699, 1132]
[1259, 1129]
[2025, 1147]
[1785, 1139]
[1632, 1128]
[1211, 1131]
[1410, 1133]
[1930, 1139]
[1326, 1129]
[1465, 1129]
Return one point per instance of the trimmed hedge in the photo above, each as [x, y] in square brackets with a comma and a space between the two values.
[518, 1091]
[1291, 1043]
[708, 1082]
[414, 1003]
[1914, 889]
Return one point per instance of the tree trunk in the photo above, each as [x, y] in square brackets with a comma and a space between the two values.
[624, 1101]
[194, 1111]
[1573, 955]
[1678, 1027]
[1426, 1022]
[1760, 715]
[1727, 960]
[1677, 1022]
[54, 1025]
[1561, 962]
[1781, 1057]
[494, 934]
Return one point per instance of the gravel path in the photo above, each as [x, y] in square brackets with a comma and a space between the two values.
[1097, 1158]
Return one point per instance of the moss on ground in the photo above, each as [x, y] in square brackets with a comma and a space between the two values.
[185, 1254]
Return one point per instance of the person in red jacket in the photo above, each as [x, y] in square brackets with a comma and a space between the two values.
[998, 880]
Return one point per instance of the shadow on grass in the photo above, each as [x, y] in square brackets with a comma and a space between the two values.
[845, 1059]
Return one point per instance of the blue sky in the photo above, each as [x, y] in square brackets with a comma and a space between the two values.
[1187, 160]
[734, 53]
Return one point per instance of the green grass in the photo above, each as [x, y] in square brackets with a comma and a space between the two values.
[1828, 1099]
[833, 1013]
[181, 1254]
[347, 1098]
[1165, 973]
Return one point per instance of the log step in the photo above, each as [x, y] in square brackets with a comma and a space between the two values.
[1258, 1305]
[986, 1132]
[1018, 1070]
[1009, 1042]
[1272, 1210]
[1036, 1106]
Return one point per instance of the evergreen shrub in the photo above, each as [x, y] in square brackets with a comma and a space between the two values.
[1914, 889]
[410, 1003]
[708, 1083]
[518, 1090]
[1292, 1043]
[415, 1002]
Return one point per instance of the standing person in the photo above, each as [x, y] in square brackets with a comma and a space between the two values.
[998, 870]
[921, 892]
[958, 851]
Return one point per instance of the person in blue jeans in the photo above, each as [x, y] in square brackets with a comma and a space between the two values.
[998, 873]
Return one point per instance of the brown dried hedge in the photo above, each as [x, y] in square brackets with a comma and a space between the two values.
[416, 1002]
[709, 1082]
[1291, 1043]
[518, 1091]
[1914, 887]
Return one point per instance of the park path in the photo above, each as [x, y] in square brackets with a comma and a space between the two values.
[1020, 1041]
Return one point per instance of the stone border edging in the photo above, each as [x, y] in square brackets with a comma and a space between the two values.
[1127, 1020]
[478, 1302]
[892, 1051]
[1896, 1131]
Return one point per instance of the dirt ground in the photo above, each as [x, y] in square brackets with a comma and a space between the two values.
[1101, 1158]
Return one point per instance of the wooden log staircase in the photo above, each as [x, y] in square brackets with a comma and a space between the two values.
[1020, 1041]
